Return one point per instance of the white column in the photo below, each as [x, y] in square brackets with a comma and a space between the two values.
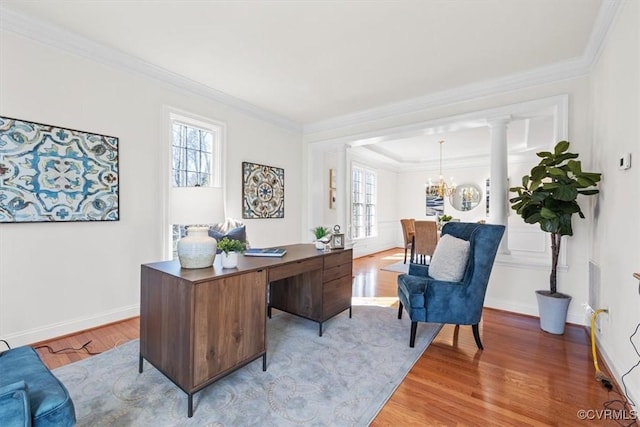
[343, 190]
[499, 188]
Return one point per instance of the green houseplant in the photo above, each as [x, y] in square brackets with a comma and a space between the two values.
[548, 197]
[322, 236]
[230, 249]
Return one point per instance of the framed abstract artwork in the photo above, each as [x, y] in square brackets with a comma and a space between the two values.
[53, 174]
[434, 205]
[262, 191]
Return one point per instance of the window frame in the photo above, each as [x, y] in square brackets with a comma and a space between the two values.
[367, 200]
[217, 131]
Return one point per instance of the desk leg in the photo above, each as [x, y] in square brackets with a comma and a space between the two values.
[264, 362]
[349, 312]
[189, 405]
[140, 363]
[320, 329]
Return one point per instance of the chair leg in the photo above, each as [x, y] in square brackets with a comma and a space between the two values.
[400, 310]
[476, 336]
[405, 255]
[412, 340]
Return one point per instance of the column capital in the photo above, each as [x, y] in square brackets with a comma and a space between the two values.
[496, 121]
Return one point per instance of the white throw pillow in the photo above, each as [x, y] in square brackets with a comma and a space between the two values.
[449, 259]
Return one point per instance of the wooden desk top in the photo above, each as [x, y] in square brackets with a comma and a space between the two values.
[297, 252]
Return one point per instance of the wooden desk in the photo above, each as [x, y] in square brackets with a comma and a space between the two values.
[198, 325]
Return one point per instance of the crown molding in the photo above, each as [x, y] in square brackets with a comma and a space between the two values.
[609, 11]
[57, 37]
[569, 69]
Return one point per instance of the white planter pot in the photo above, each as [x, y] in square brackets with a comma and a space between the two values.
[553, 311]
[319, 245]
[229, 260]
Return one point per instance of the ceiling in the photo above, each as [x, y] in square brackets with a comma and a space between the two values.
[313, 61]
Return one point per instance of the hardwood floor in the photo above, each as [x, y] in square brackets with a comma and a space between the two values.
[523, 376]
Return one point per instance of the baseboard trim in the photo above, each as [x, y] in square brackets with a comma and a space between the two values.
[576, 318]
[71, 326]
[617, 376]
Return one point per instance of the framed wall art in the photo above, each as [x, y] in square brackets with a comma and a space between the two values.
[262, 191]
[53, 174]
[434, 205]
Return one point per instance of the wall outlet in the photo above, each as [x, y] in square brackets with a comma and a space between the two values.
[624, 162]
[603, 318]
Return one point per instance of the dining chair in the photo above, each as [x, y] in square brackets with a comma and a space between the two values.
[408, 230]
[425, 241]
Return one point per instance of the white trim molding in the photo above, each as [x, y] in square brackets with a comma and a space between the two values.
[569, 69]
[60, 38]
[59, 329]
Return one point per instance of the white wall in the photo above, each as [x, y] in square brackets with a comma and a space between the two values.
[615, 109]
[56, 278]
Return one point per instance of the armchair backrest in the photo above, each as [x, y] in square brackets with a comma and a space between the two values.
[484, 240]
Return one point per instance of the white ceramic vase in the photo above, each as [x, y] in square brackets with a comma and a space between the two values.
[320, 245]
[197, 249]
[229, 260]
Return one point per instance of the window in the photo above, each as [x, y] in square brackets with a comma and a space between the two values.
[196, 159]
[364, 189]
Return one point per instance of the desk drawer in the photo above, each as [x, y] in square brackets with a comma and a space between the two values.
[336, 296]
[336, 272]
[294, 269]
[338, 258]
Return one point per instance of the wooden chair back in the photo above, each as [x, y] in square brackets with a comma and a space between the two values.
[408, 229]
[426, 239]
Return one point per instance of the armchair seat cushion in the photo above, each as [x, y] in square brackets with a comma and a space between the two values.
[48, 399]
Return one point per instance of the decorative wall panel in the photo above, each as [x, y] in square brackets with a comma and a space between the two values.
[262, 191]
[53, 174]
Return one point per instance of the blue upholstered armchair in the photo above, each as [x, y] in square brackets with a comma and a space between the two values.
[458, 302]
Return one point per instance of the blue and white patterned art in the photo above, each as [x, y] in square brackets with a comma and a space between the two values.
[434, 205]
[262, 191]
[51, 174]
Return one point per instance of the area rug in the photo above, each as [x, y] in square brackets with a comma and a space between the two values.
[342, 378]
[398, 267]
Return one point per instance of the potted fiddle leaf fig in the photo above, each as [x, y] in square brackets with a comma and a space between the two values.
[548, 197]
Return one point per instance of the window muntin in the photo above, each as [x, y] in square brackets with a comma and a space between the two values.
[195, 153]
[363, 202]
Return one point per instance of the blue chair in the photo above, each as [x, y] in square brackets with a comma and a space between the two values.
[429, 300]
[30, 395]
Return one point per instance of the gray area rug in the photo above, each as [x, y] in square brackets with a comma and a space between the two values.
[398, 267]
[340, 379]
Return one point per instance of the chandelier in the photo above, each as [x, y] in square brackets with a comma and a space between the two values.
[440, 188]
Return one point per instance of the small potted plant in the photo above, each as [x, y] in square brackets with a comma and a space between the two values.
[230, 250]
[443, 219]
[322, 236]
